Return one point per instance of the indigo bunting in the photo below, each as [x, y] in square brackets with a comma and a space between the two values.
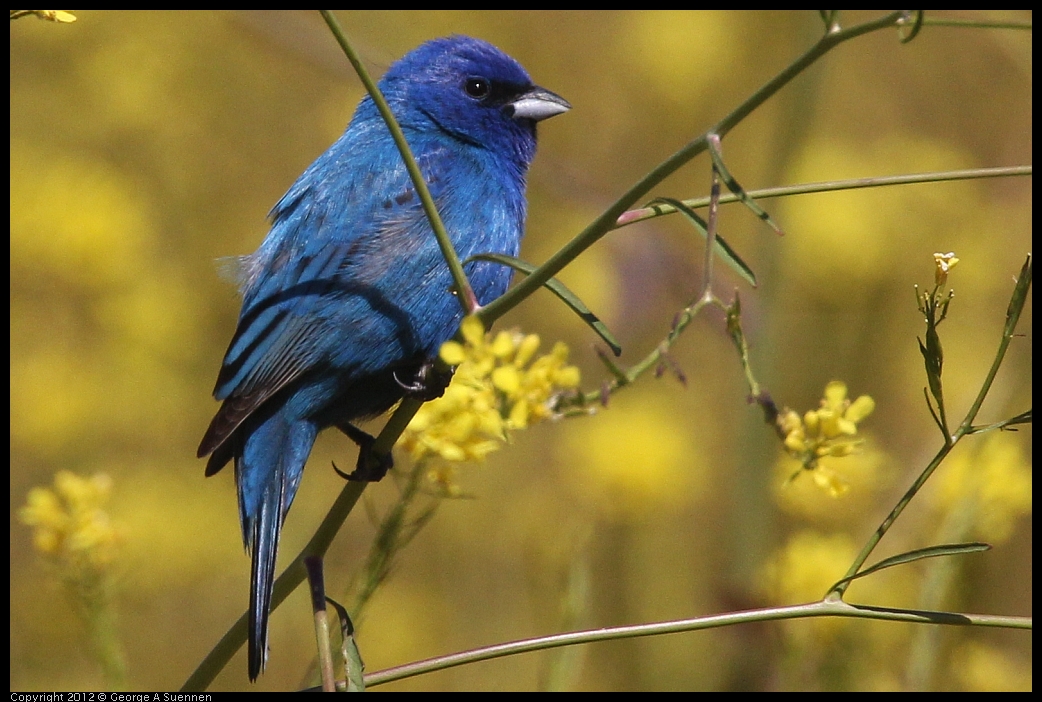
[348, 299]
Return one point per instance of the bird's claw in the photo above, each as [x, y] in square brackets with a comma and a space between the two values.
[428, 383]
[371, 466]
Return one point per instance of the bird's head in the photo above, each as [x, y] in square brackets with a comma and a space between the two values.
[472, 91]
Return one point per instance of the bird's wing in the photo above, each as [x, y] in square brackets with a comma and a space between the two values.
[335, 235]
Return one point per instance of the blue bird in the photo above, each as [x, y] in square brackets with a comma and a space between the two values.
[348, 299]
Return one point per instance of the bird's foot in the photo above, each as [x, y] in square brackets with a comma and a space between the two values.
[371, 466]
[428, 383]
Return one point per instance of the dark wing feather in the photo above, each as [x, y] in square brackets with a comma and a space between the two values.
[312, 255]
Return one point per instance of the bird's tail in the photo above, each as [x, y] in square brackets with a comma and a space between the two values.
[268, 473]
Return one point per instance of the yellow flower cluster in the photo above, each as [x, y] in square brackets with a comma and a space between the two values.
[69, 522]
[827, 431]
[498, 387]
[72, 528]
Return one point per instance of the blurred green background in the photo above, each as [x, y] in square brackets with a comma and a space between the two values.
[145, 145]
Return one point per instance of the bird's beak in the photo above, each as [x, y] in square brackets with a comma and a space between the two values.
[538, 104]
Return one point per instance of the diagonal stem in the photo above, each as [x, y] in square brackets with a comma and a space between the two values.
[467, 298]
[606, 221]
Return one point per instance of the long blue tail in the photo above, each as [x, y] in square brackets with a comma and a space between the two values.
[268, 473]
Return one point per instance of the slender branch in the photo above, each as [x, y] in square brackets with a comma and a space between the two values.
[659, 210]
[714, 209]
[1016, 306]
[824, 608]
[684, 317]
[293, 576]
[607, 220]
[466, 295]
[316, 580]
[1013, 311]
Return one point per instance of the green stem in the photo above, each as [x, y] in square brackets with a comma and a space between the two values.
[608, 219]
[466, 295]
[714, 209]
[659, 210]
[293, 576]
[1013, 311]
[316, 580]
[1016, 306]
[824, 608]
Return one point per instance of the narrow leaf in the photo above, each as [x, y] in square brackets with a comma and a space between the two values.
[917, 555]
[620, 375]
[738, 190]
[731, 258]
[558, 288]
[1007, 424]
[1020, 293]
[352, 656]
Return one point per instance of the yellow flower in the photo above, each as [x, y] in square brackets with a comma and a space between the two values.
[944, 262]
[70, 523]
[826, 431]
[72, 528]
[499, 386]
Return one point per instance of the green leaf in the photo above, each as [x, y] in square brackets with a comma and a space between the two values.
[558, 288]
[1022, 418]
[917, 555]
[352, 656]
[738, 190]
[1020, 293]
[731, 258]
[907, 33]
[620, 375]
[931, 357]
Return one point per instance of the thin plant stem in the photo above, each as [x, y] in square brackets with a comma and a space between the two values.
[1016, 306]
[823, 608]
[467, 298]
[607, 220]
[660, 210]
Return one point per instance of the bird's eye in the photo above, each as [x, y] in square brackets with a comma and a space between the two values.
[477, 87]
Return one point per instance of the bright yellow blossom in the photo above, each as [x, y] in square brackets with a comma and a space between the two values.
[70, 523]
[72, 528]
[826, 431]
[944, 262]
[499, 386]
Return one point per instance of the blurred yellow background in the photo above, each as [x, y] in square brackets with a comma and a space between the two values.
[145, 145]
